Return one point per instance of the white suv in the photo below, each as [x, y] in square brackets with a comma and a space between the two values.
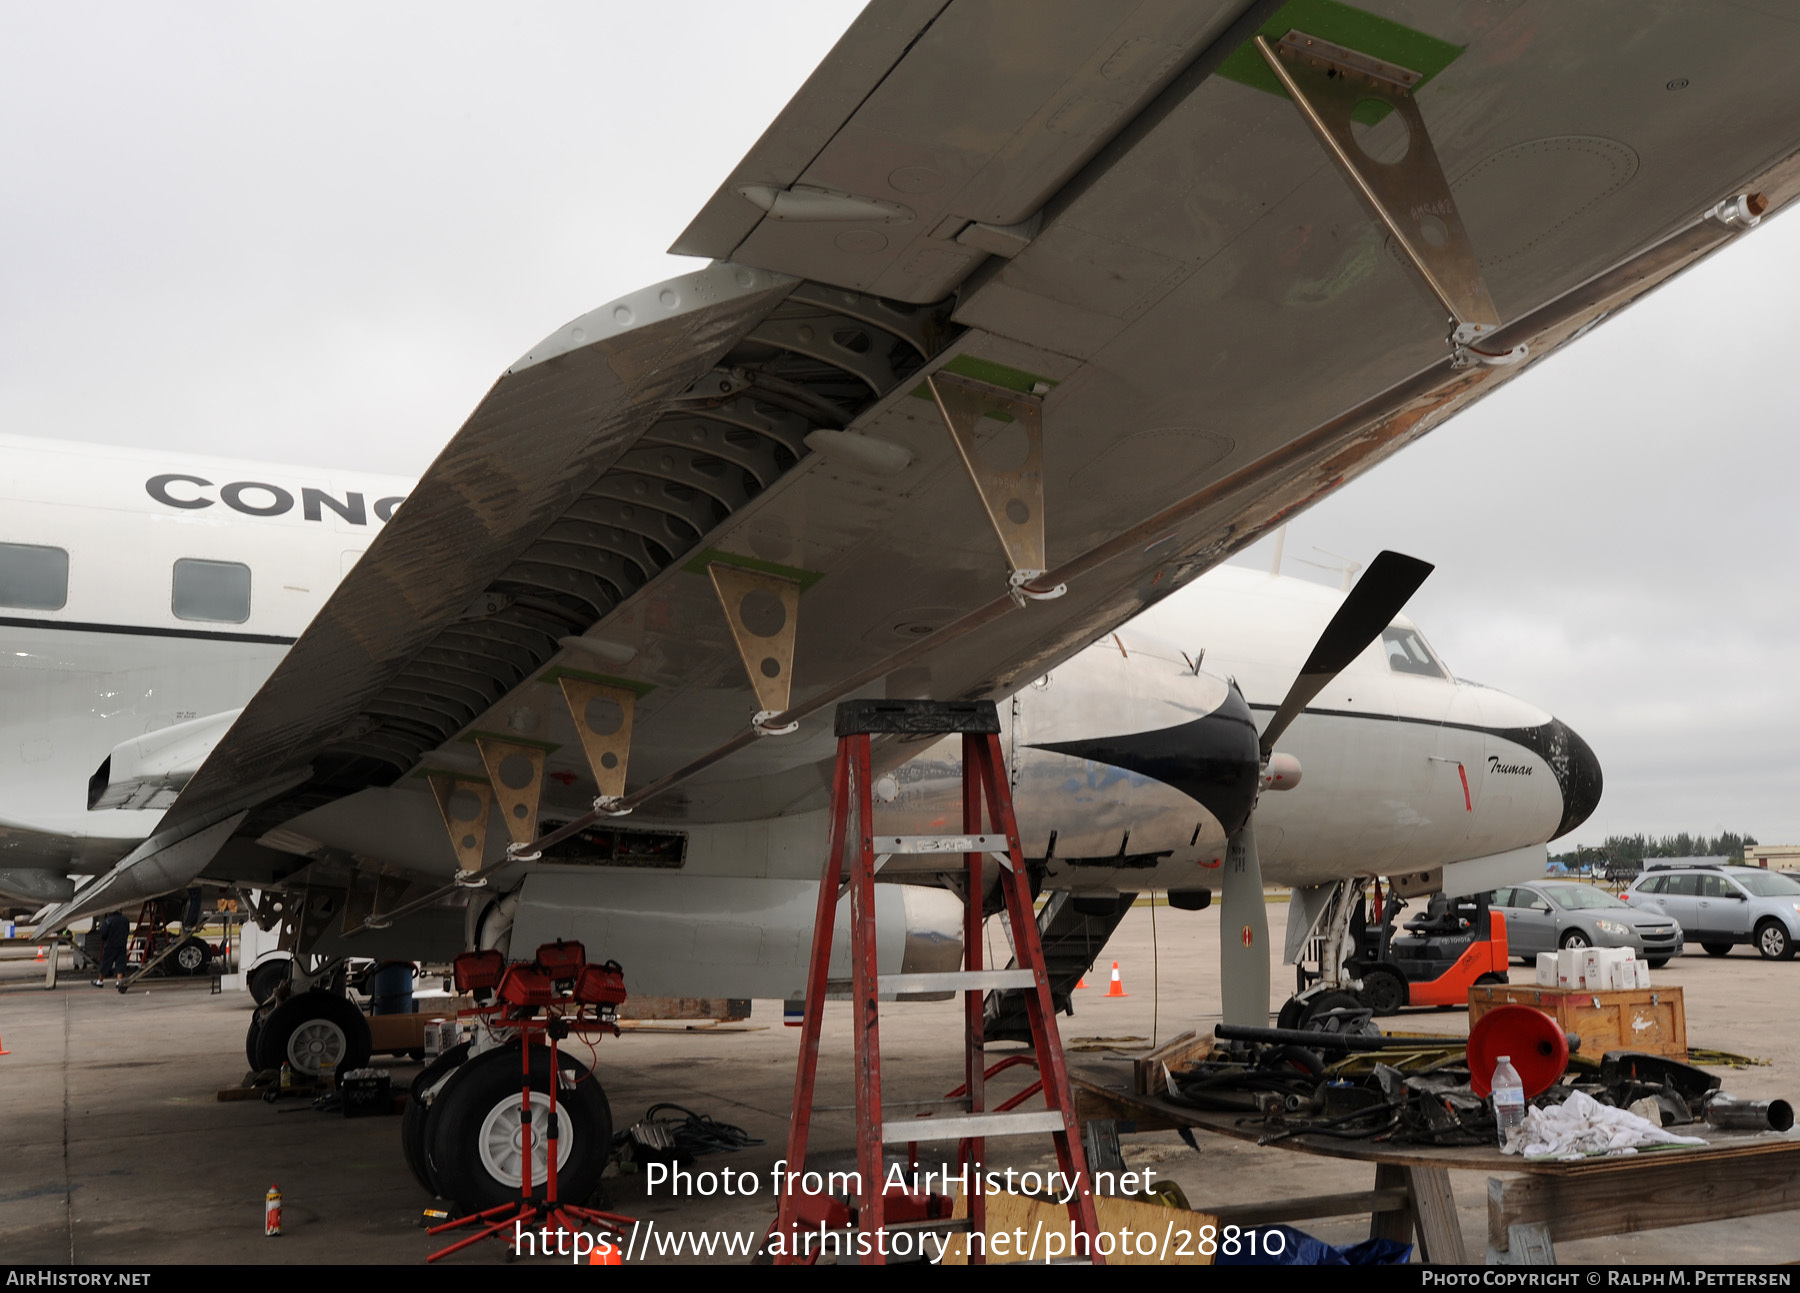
[1721, 906]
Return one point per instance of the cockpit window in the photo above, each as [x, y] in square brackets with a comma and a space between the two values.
[1407, 653]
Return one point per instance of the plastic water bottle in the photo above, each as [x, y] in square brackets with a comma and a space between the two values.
[1509, 1098]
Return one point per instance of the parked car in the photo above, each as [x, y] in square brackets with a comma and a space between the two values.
[1722, 906]
[1555, 914]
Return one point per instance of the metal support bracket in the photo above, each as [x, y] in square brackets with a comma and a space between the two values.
[465, 820]
[763, 611]
[516, 773]
[603, 716]
[1409, 197]
[1013, 497]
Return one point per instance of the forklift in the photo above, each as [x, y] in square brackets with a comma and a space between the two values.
[1367, 961]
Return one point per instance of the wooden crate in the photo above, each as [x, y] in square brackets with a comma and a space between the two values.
[1627, 1019]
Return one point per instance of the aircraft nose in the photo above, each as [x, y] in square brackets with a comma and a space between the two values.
[1577, 774]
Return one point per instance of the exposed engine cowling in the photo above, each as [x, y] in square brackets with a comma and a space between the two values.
[717, 936]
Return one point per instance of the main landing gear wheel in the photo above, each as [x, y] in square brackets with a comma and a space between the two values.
[252, 1038]
[265, 978]
[1717, 949]
[475, 1141]
[192, 956]
[1383, 991]
[307, 1031]
[418, 1109]
[1773, 942]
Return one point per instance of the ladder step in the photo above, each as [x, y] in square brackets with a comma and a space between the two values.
[958, 981]
[940, 844]
[956, 1127]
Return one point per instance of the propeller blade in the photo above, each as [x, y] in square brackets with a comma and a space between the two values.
[1391, 579]
[1243, 933]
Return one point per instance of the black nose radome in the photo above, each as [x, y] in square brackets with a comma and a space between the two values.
[1572, 763]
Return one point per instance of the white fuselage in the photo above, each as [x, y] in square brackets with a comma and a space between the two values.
[114, 660]
[1384, 753]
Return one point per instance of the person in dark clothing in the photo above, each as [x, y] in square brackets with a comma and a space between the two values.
[115, 934]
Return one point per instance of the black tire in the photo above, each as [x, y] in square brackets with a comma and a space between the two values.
[265, 978]
[1717, 949]
[481, 1098]
[251, 1036]
[191, 956]
[305, 1030]
[1383, 991]
[1292, 1013]
[1318, 1017]
[1576, 939]
[1772, 941]
[1656, 962]
[412, 1122]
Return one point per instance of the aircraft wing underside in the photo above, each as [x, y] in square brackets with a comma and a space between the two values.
[1103, 208]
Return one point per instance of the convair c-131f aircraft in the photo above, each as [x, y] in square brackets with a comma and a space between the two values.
[1021, 317]
[144, 599]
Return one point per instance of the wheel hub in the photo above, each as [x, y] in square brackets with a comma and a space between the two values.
[314, 1044]
[501, 1140]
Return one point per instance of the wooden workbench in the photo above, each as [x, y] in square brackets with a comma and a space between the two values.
[1735, 1175]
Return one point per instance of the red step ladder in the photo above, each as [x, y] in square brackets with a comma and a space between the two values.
[854, 856]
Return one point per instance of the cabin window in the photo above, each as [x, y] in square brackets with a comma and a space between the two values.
[215, 591]
[33, 578]
[1407, 653]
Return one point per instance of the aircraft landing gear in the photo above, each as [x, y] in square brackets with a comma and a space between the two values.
[474, 1136]
[310, 1030]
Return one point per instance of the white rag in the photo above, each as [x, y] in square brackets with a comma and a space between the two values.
[1581, 1125]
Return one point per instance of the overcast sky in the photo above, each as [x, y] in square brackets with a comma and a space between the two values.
[318, 233]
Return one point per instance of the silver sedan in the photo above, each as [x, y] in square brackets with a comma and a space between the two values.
[1559, 913]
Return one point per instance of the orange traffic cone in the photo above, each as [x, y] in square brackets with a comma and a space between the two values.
[1117, 987]
[606, 1253]
[40, 955]
[3, 1050]
[1081, 984]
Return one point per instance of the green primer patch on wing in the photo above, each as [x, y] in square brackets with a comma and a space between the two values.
[1353, 28]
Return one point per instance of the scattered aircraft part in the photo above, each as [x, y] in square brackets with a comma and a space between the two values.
[603, 716]
[516, 773]
[148, 771]
[465, 819]
[763, 612]
[1013, 497]
[1243, 933]
[1409, 196]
